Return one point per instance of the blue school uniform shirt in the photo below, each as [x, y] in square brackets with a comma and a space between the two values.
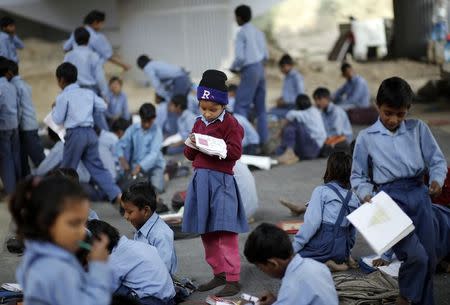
[306, 282]
[9, 45]
[185, 122]
[161, 75]
[107, 142]
[145, 146]
[27, 113]
[293, 85]
[89, 67]
[97, 42]
[137, 266]
[405, 153]
[8, 105]
[336, 122]
[117, 106]
[251, 136]
[249, 47]
[312, 119]
[75, 107]
[324, 207]
[158, 234]
[54, 159]
[50, 274]
[354, 93]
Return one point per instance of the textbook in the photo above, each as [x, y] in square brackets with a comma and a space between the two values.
[172, 140]
[381, 222]
[208, 145]
[58, 129]
[392, 269]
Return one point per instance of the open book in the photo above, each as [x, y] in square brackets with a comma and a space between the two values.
[392, 269]
[382, 223]
[58, 129]
[172, 140]
[208, 145]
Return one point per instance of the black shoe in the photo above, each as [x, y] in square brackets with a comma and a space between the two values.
[15, 245]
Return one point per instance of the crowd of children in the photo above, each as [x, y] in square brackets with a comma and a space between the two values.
[72, 257]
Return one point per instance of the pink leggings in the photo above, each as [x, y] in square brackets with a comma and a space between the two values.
[222, 253]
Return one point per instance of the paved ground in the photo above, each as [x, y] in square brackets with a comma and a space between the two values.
[294, 182]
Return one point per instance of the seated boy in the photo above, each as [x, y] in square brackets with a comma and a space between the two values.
[303, 134]
[9, 41]
[185, 122]
[142, 142]
[354, 93]
[119, 127]
[137, 268]
[293, 85]
[166, 120]
[139, 204]
[117, 102]
[303, 280]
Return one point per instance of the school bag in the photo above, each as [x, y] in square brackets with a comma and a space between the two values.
[444, 197]
[10, 297]
[178, 200]
[128, 180]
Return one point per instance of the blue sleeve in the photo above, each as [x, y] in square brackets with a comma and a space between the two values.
[164, 247]
[125, 111]
[151, 158]
[51, 161]
[339, 93]
[59, 112]
[99, 103]
[125, 142]
[291, 116]
[312, 221]
[432, 154]
[100, 75]
[387, 256]
[359, 178]
[239, 51]
[299, 84]
[102, 46]
[359, 94]
[3, 49]
[286, 295]
[68, 45]
[156, 83]
[263, 45]
[18, 43]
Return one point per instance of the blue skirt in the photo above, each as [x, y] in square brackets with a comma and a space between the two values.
[213, 203]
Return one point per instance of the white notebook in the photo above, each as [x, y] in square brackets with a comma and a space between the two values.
[58, 129]
[382, 223]
[209, 145]
[392, 269]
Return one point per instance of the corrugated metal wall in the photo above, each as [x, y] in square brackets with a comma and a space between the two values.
[412, 27]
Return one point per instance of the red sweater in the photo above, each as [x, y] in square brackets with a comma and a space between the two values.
[231, 132]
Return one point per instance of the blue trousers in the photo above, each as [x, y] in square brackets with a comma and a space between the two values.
[252, 90]
[181, 85]
[418, 249]
[100, 120]
[81, 143]
[297, 137]
[10, 167]
[149, 300]
[30, 147]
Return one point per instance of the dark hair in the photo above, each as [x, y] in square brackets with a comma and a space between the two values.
[141, 194]
[286, 59]
[98, 227]
[232, 88]
[94, 16]
[147, 112]
[395, 92]
[124, 300]
[64, 172]
[179, 101]
[37, 202]
[142, 61]
[321, 92]
[345, 66]
[339, 168]
[245, 12]
[265, 242]
[13, 67]
[302, 102]
[120, 124]
[67, 72]
[81, 36]
[4, 66]
[5, 21]
[115, 79]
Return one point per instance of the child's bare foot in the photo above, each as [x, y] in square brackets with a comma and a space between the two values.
[335, 267]
[401, 301]
[352, 263]
[296, 209]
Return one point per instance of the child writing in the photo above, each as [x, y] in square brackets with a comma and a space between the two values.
[50, 215]
[117, 102]
[303, 280]
[399, 150]
[213, 205]
[139, 204]
[326, 234]
[137, 268]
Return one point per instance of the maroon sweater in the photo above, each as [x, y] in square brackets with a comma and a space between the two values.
[231, 132]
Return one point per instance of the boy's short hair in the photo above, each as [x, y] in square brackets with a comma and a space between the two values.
[345, 66]
[232, 88]
[120, 124]
[94, 16]
[64, 172]
[339, 168]
[321, 92]
[395, 92]
[265, 242]
[302, 102]
[68, 72]
[141, 194]
[5, 21]
[147, 112]
[99, 227]
[4, 67]
[245, 12]
[142, 61]
[286, 59]
[179, 101]
[115, 79]
[13, 67]
[81, 36]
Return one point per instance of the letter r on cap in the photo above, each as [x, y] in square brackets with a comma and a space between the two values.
[206, 94]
